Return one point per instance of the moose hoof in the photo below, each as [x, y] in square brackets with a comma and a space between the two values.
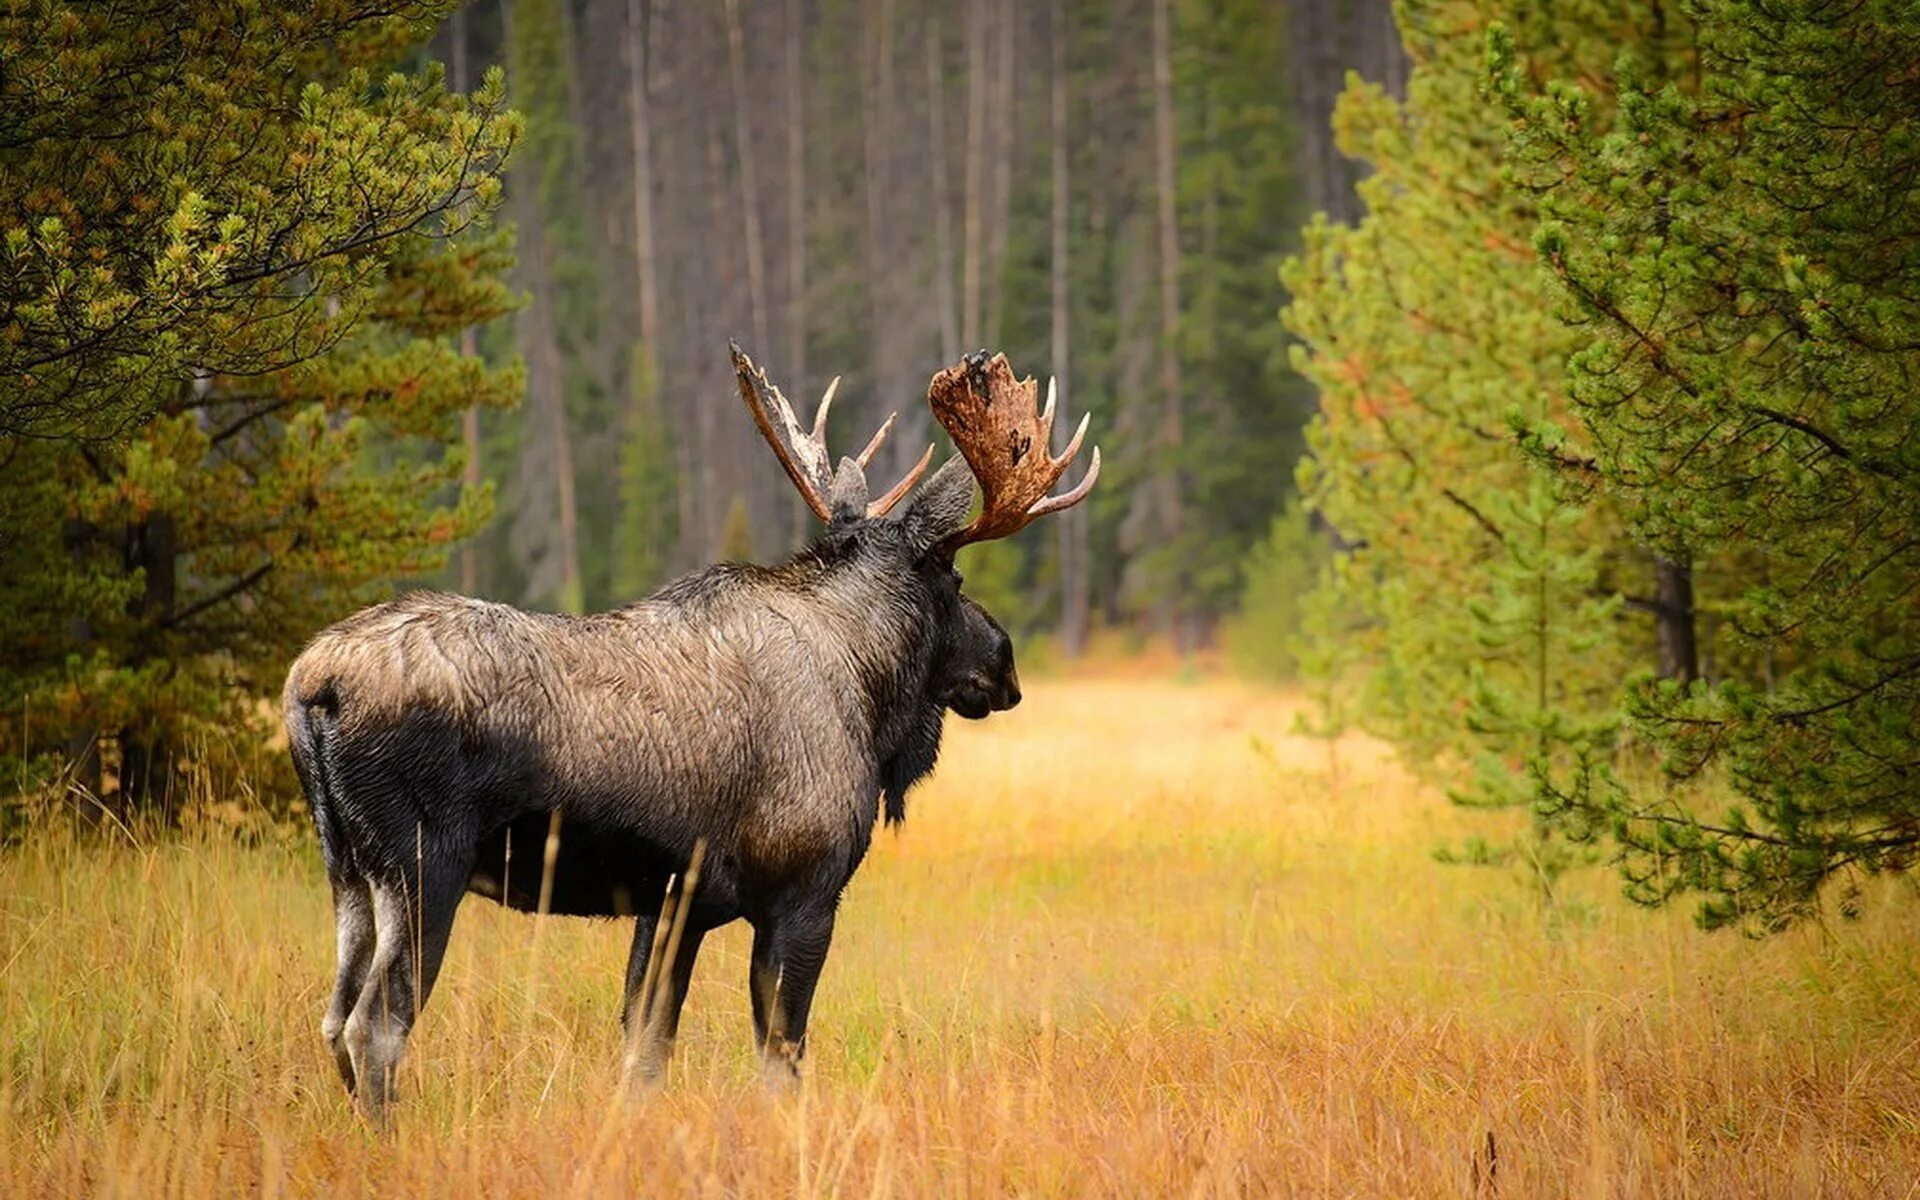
[780, 1068]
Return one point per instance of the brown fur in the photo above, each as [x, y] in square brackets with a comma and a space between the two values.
[757, 712]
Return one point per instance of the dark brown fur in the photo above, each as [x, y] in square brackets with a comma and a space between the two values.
[760, 712]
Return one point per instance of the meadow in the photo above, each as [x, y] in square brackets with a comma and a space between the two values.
[1136, 938]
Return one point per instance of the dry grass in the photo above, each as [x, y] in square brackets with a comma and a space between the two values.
[1123, 948]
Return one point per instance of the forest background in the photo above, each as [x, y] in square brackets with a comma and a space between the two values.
[1579, 464]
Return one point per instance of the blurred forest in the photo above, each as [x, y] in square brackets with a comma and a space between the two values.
[285, 334]
[1101, 190]
[1532, 382]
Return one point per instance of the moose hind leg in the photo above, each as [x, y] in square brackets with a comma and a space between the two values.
[354, 928]
[412, 926]
[788, 951]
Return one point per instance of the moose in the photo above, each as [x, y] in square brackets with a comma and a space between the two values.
[744, 724]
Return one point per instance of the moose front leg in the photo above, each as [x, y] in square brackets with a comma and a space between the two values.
[655, 993]
[789, 948]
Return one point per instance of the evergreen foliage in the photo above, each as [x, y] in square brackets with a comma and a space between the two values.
[280, 252]
[1739, 252]
[1238, 198]
[1615, 421]
[1270, 633]
[194, 189]
[1478, 601]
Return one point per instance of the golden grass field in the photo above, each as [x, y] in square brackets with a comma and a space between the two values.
[1135, 940]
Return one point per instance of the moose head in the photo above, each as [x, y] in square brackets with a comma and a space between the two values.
[991, 417]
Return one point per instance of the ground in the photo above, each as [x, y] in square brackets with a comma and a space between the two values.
[1137, 938]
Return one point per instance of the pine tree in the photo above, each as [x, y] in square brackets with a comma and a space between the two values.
[736, 533]
[1480, 599]
[648, 518]
[1739, 253]
[158, 583]
[1269, 635]
[171, 205]
[1238, 189]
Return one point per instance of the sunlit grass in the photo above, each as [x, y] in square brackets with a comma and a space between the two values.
[1135, 940]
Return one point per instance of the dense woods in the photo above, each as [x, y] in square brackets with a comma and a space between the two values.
[1534, 383]
[863, 190]
[236, 266]
[1617, 423]
[263, 352]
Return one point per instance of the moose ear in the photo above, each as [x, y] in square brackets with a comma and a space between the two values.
[847, 494]
[940, 507]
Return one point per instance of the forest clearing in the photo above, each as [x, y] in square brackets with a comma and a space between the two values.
[1465, 745]
[1214, 958]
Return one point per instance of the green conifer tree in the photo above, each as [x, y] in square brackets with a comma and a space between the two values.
[1739, 253]
[649, 522]
[1478, 599]
[196, 189]
[158, 582]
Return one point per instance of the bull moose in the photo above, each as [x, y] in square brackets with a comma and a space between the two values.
[751, 722]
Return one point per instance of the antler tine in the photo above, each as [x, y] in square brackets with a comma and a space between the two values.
[1053, 504]
[820, 413]
[803, 455]
[898, 491]
[874, 442]
[991, 418]
[1073, 444]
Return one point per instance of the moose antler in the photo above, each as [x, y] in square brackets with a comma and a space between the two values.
[989, 415]
[804, 455]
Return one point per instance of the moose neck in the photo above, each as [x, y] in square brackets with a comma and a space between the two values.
[891, 623]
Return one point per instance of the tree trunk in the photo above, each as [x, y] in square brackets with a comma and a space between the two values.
[669, 143]
[546, 385]
[894, 326]
[875, 38]
[763, 502]
[1174, 617]
[1071, 527]
[654, 544]
[975, 177]
[1329, 38]
[471, 477]
[146, 760]
[640, 128]
[942, 196]
[547, 422]
[799, 516]
[572, 588]
[749, 191]
[1207, 316]
[83, 742]
[546, 390]
[1673, 619]
[1000, 215]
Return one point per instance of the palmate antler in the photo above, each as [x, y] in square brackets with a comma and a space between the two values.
[804, 455]
[990, 416]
